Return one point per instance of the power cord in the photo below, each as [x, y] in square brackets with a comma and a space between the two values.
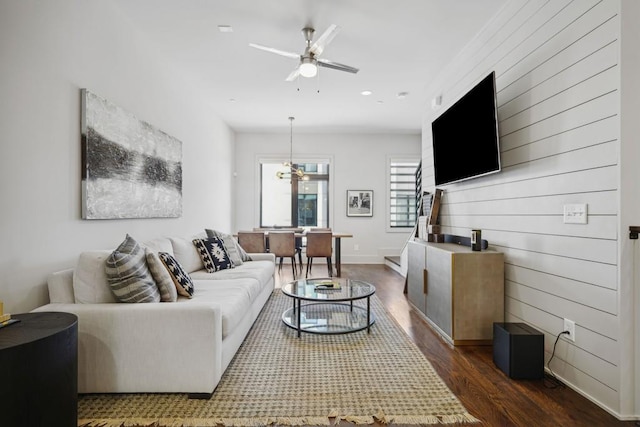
[550, 380]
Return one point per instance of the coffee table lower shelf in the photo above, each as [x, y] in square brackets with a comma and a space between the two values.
[328, 318]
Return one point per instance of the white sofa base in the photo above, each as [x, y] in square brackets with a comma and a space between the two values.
[163, 347]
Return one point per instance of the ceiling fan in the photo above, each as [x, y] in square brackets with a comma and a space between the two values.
[309, 60]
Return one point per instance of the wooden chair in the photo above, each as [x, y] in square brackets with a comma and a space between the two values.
[283, 244]
[319, 244]
[252, 241]
[294, 229]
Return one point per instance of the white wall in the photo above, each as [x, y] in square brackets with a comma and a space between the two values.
[358, 162]
[558, 81]
[48, 51]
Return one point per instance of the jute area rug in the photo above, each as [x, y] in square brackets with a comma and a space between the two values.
[277, 378]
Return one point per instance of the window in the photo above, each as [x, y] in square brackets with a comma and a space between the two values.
[291, 201]
[402, 193]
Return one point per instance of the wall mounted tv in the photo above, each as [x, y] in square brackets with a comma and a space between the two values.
[465, 136]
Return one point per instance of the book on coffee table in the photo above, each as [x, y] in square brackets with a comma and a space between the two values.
[327, 285]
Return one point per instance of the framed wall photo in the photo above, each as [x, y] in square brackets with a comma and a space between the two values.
[359, 202]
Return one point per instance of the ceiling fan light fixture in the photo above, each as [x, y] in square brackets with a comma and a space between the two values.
[308, 67]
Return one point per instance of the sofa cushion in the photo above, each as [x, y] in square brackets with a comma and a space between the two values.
[162, 244]
[182, 281]
[260, 271]
[90, 284]
[213, 254]
[168, 291]
[186, 253]
[235, 251]
[232, 297]
[60, 284]
[128, 275]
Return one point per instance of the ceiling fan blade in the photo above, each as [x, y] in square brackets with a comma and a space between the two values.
[276, 51]
[294, 75]
[318, 46]
[336, 66]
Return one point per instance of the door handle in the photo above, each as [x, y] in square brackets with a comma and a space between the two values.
[425, 282]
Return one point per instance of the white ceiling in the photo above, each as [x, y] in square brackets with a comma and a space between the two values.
[398, 45]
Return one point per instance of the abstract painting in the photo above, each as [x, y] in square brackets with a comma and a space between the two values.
[130, 169]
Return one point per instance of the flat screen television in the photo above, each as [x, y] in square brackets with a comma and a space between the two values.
[465, 136]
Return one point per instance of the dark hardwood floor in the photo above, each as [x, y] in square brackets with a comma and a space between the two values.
[483, 389]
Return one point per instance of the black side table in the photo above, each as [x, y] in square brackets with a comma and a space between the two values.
[39, 370]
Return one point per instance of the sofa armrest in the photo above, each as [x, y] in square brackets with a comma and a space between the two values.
[262, 256]
[133, 348]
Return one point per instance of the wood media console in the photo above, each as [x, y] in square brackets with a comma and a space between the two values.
[460, 292]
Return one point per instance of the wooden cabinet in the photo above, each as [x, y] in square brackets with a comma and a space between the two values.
[459, 291]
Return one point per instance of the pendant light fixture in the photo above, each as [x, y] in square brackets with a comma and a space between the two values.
[292, 171]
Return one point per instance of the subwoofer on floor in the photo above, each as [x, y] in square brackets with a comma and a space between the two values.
[518, 350]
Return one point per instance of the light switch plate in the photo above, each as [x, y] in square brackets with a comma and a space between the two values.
[575, 213]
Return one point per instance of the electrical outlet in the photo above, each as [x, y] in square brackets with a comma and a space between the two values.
[356, 247]
[570, 326]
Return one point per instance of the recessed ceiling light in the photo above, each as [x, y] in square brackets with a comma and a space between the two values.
[366, 92]
[380, 101]
[232, 100]
[225, 28]
[402, 95]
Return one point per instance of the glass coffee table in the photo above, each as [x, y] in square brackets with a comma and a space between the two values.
[329, 306]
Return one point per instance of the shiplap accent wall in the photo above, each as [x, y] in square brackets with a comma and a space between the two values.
[557, 80]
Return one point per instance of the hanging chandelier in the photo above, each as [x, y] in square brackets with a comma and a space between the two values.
[292, 171]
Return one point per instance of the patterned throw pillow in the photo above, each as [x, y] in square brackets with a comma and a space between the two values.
[213, 254]
[128, 275]
[235, 251]
[182, 281]
[168, 291]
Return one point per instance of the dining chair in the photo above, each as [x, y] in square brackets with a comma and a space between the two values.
[252, 241]
[319, 244]
[283, 244]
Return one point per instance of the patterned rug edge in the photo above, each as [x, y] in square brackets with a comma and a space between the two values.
[465, 418]
[333, 418]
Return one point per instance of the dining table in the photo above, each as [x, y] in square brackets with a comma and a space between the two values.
[299, 233]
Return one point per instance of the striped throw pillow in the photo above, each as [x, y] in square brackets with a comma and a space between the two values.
[128, 275]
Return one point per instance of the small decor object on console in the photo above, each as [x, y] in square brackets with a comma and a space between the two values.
[476, 240]
[359, 202]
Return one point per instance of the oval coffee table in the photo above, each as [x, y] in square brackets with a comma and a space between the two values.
[329, 308]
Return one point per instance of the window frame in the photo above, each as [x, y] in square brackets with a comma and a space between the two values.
[391, 160]
[273, 159]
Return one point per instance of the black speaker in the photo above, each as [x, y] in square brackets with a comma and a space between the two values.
[518, 350]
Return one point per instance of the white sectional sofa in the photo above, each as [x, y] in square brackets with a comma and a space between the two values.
[183, 346]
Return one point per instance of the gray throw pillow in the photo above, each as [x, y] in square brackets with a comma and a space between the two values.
[128, 275]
